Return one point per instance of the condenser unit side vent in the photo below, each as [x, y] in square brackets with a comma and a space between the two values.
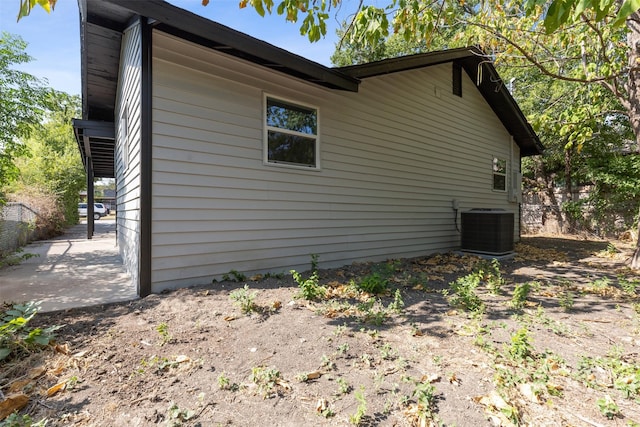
[487, 231]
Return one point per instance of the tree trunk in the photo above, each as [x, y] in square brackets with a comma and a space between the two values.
[568, 189]
[633, 41]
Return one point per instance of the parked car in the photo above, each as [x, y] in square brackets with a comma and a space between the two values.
[98, 210]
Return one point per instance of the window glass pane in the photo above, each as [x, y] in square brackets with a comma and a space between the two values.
[292, 117]
[287, 148]
[499, 182]
[499, 165]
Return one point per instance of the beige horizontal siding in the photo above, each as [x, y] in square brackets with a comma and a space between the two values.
[393, 156]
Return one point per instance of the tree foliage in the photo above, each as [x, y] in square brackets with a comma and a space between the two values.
[55, 165]
[26, 6]
[22, 102]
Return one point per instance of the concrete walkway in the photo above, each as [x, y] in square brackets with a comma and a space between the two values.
[70, 271]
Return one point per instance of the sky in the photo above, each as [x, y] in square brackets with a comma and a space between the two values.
[54, 39]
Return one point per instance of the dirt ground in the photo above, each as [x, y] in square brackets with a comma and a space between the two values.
[409, 356]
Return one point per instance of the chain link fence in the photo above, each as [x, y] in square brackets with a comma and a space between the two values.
[17, 226]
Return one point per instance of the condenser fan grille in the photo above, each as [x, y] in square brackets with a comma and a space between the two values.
[487, 231]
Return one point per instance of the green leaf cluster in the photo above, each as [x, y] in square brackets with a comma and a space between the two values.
[16, 338]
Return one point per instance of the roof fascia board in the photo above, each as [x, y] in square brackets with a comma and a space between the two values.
[166, 14]
[410, 62]
[490, 94]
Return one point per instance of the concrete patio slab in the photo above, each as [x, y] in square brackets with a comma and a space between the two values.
[70, 271]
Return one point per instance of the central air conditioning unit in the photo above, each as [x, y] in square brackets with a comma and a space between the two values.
[487, 231]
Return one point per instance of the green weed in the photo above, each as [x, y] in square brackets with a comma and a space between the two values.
[465, 296]
[566, 300]
[163, 330]
[16, 338]
[343, 348]
[600, 286]
[17, 420]
[397, 304]
[234, 276]
[176, 416]
[343, 386]
[629, 286]
[244, 299]
[521, 348]
[488, 272]
[266, 379]
[374, 283]
[16, 258]
[310, 289]
[224, 383]
[520, 295]
[357, 418]
[608, 407]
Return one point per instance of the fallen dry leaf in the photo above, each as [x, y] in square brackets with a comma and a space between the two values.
[229, 318]
[492, 400]
[282, 383]
[322, 405]
[36, 372]
[182, 358]
[12, 403]
[553, 387]
[313, 375]
[18, 385]
[530, 393]
[56, 388]
[453, 379]
[431, 378]
[64, 348]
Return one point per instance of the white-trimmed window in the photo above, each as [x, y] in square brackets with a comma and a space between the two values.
[291, 134]
[499, 174]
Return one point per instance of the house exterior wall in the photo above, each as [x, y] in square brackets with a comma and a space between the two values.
[127, 152]
[393, 157]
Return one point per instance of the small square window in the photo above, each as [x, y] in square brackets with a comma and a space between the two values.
[291, 134]
[499, 174]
